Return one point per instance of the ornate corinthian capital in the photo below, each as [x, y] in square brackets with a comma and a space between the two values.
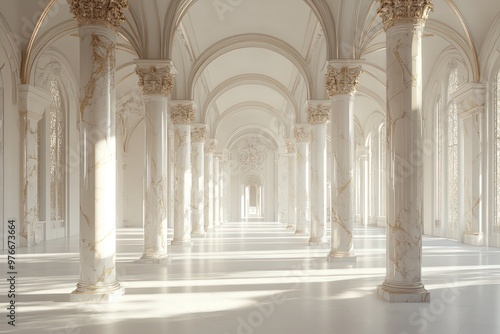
[99, 12]
[342, 80]
[318, 113]
[302, 133]
[413, 11]
[199, 133]
[155, 80]
[290, 146]
[210, 146]
[182, 114]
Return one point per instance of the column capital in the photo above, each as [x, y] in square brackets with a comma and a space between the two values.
[155, 76]
[471, 100]
[318, 111]
[404, 11]
[199, 133]
[99, 12]
[342, 80]
[181, 112]
[33, 101]
[210, 145]
[290, 146]
[302, 133]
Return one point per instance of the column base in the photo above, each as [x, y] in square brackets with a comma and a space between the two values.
[154, 259]
[198, 234]
[476, 239]
[401, 294]
[341, 256]
[301, 232]
[209, 229]
[290, 228]
[91, 293]
[318, 241]
[186, 243]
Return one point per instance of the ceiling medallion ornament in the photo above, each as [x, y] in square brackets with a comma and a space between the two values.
[406, 11]
[97, 12]
[302, 134]
[252, 155]
[182, 114]
[343, 80]
[199, 134]
[319, 114]
[155, 81]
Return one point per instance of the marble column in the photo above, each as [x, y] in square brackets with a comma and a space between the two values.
[155, 80]
[342, 83]
[97, 30]
[318, 117]
[282, 186]
[216, 175]
[33, 102]
[182, 115]
[302, 134]
[198, 137]
[404, 25]
[223, 185]
[210, 146]
[363, 153]
[292, 185]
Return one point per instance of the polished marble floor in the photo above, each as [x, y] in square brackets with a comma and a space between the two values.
[252, 278]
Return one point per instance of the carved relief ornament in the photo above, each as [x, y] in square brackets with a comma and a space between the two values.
[411, 11]
[96, 12]
[155, 81]
[343, 80]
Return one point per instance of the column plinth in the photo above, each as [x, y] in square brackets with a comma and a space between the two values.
[97, 30]
[318, 117]
[404, 26]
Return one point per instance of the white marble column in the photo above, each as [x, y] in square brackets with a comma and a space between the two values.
[222, 185]
[198, 137]
[282, 186]
[362, 154]
[155, 80]
[302, 134]
[318, 117]
[404, 26]
[182, 115]
[210, 146]
[216, 176]
[97, 30]
[32, 104]
[292, 185]
[342, 83]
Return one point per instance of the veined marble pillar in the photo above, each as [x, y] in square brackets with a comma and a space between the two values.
[318, 116]
[362, 154]
[216, 176]
[282, 186]
[292, 186]
[404, 25]
[182, 115]
[302, 134]
[198, 137]
[97, 30]
[210, 146]
[32, 104]
[155, 80]
[342, 84]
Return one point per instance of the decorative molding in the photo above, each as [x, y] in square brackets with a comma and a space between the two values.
[342, 80]
[471, 101]
[210, 145]
[199, 133]
[97, 12]
[318, 114]
[155, 80]
[404, 11]
[182, 114]
[49, 72]
[302, 133]
[252, 155]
